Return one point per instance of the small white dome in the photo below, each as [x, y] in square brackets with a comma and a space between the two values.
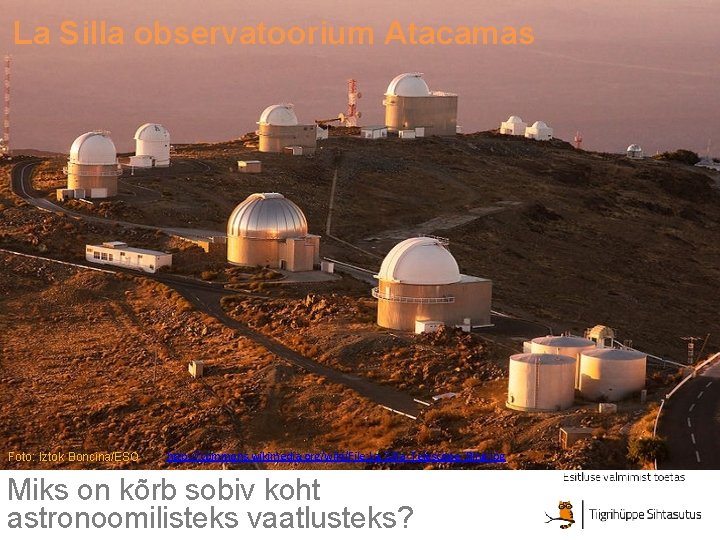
[514, 120]
[408, 85]
[420, 261]
[634, 148]
[540, 125]
[279, 115]
[93, 148]
[152, 133]
[267, 216]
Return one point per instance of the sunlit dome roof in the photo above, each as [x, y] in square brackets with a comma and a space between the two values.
[544, 359]
[420, 261]
[279, 115]
[614, 354]
[408, 85]
[93, 148]
[267, 216]
[540, 125]
[564, 341]
[152, 133]
[514, 120]
[634, 148]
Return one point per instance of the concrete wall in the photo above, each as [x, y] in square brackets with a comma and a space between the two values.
[437, 113]
[276, 138]
[473, 298]
[91, 176]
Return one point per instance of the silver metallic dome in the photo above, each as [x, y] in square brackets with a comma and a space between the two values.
[267, 216]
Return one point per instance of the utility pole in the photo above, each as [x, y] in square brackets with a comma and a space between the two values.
[5, 141]
[691, 348]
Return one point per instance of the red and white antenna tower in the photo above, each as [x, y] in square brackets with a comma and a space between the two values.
[353, 115]
[5, 142]
[578, 140]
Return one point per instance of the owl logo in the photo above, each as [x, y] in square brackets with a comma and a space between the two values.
[566, 515]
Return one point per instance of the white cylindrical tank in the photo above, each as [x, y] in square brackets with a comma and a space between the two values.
[541, 382]
[571, 346]
[153, 140]
[611, 374]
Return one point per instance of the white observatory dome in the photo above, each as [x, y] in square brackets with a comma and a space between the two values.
[540, 125]
[634, 148]
[152, 133]
[267, 216]
[408, 85]
[279, 115]
[93, 148]
[514, 120]
[420, 261]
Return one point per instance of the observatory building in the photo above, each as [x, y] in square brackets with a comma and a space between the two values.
[93, 166]
[541, 382]
[420, 287]
[152, 147]
[634, 151]
[266, 229]
[278, 129]
[513, 126]
[409, 104]
[539, 131]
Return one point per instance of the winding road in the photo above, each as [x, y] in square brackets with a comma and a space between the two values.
[21, 178]
[691, 423]
[206, 297]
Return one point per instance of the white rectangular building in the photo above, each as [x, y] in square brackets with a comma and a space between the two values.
[120, 254]
[250, 166]
[374, 132]
[142, 162]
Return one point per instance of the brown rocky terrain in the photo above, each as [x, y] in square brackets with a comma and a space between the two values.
[570, 239]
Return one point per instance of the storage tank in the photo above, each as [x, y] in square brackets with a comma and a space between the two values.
[266, 229]
[611, 374]
[153, 140]
[93, 164]
[571, 346]
[541, 382]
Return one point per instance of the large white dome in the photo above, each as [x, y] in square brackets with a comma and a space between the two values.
[93, 148]
[420, 261]
[279, 115]
[514, 120]
[408, 85]
[267, 216]
[152, 133]
[540, 125]
[634, 148]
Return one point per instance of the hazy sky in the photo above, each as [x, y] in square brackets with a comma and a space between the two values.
[644, 71]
